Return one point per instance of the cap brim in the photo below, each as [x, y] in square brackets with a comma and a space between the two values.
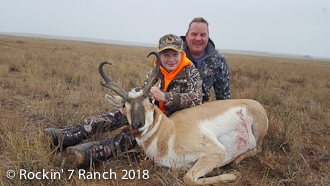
[170, 47]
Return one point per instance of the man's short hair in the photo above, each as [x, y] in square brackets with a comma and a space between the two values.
[199, 20]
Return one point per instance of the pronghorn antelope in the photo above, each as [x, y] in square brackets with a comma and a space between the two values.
[199, 139]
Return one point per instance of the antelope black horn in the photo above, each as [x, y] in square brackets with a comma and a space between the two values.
[111, 84]
[153, 74]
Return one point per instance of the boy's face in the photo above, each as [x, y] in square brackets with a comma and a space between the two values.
[170, 59]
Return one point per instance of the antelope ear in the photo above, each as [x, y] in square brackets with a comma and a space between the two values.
[152, 99]
[114, 100]
[157, 84]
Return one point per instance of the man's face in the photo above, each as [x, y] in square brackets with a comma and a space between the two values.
[197, 39]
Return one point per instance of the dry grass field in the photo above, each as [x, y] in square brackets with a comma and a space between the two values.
[53, 83]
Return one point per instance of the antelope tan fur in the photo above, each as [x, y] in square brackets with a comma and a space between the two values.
[198, 139]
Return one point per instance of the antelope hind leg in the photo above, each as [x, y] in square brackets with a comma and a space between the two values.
[231, 177]
[250, 153]
[205, 165]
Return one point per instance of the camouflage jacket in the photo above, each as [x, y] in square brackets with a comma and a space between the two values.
[213, 70]
[184, 91]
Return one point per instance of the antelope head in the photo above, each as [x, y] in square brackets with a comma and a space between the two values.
[137, 103]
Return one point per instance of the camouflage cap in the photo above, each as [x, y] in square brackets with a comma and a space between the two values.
[170, 41]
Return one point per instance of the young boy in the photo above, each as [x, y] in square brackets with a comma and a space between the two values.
[180, 88]
[180, 81]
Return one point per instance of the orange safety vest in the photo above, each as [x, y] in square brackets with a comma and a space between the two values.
[168, 77]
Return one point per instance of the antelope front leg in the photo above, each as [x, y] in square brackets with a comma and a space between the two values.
[204, 165]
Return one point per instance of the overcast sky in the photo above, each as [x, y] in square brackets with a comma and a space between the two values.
[299, 27]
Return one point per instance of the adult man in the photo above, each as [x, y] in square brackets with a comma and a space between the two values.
[212, 65]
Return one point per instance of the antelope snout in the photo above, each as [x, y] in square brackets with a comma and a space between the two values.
[137, 124]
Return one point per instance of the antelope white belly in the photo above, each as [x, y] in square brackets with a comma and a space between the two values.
[231, 131]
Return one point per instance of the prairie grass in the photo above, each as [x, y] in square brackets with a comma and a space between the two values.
[53, 83]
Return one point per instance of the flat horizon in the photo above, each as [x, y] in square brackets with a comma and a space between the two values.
[129, 43]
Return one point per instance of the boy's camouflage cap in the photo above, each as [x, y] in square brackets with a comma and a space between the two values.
[170, 41]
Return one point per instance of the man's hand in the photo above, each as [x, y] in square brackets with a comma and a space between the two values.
[158, 94]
